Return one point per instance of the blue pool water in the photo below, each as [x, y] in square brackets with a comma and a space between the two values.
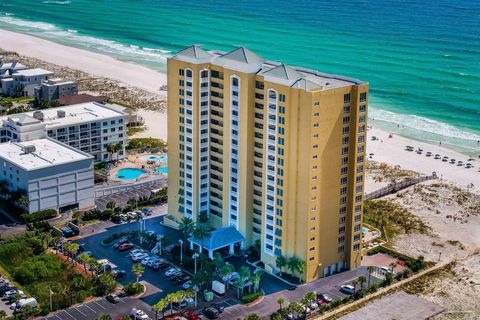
[364, 230]
[158, 158]
[129, 173]
[163, 170]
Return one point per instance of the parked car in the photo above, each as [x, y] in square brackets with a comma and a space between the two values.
[160, 265]
[324, 297]
[171, 271]
[147, 211]
[138, 314]
[146, 260]
[428, 154]
[113, 298]
[184, 303]
[210, 313]
[452, 161]
[117, 274]
[176, 275]
[187, 285]
[154, 260]
[460, 163]
[347, 289]
[126, 246]
[139, 256]
[386, 270]
[437, 156]
[135, 251]
[220, 308]
[190, 315]
[445, 159]
[120, 242]
[183, 278]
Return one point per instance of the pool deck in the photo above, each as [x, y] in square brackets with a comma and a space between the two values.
[135, 162]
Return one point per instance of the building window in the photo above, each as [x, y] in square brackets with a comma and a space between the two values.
[181, 72]
[356, 247]
[363, 97]
[346, 97]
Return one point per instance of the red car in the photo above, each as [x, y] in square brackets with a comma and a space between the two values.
[190, 315]
[126, 246]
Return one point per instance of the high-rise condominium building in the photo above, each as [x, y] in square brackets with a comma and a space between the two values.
[273, 151]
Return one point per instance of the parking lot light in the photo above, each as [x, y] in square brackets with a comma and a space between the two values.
[181, 251]
[195, 256]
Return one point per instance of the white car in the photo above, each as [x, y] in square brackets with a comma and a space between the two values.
[139, 256]
[10, 294]
[138, 314]
[186, 302]
[135, 251]
[313, 305]
[171, 271]
[146, 260]
[132, 215]
[153, 261]
[386, 269]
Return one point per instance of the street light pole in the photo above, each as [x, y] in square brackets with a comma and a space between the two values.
[181, 251]
[195, 256]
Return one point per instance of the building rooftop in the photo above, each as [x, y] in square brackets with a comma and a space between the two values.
[219, 238]
[40, 153]
[32, 72]
[15, 65]
[245, 60]
[77, 113]
[57, 81]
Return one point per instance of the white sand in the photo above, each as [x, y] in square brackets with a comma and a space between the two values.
[155, 123]
[392, 151]
[86, 61]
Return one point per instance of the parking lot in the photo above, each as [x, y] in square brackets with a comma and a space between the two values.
[121, 198]
[96, 308]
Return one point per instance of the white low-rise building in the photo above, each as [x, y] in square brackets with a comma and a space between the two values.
[23, 82]
[89, 127]
[54, 175]
[53, 89]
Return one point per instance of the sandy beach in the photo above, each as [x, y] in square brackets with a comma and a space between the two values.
[86, 61]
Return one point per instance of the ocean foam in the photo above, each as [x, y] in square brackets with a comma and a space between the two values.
[426, 125]
[56, 2]
[43, 26]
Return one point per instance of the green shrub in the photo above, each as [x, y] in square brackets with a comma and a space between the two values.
[247, 298]
[39, 215]
[133, 288]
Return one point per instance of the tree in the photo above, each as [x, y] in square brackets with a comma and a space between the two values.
[133, 203]
[225, 271]
[253, 316]
[187, 226]
[292, 264]
[138, 270]
[201, 232]
[370, 270]
[309, 297]
[245, 275]
[256, 277]
[3, 315]
[111, 150]
[301, 267]
[104, 317]
[84, 258]
[111, 205]
[354, 284]
[280, 301]
[160, 307]
[294, 307]
[24, 202]
[203, 217]
[361, 281]
[73, 249]
[280, 262]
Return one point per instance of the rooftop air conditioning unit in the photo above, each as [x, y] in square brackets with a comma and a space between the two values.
[29, 148]
[38, 115]
[61, 113]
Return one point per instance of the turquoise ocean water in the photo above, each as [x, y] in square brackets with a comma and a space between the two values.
[421, 57]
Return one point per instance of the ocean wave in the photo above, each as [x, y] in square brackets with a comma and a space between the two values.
[56, 2]
[74, 38]
[422, 124]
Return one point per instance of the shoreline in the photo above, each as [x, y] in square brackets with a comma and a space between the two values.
[388, 150]
[90, 62]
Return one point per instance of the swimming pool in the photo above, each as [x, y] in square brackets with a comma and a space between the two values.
[163, 170]
[158, 158]
[129, 173]
[364, 230]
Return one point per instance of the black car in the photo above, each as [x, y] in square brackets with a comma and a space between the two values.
[324, 297]
[183, 278]
[210, 313]
[175, 276]
[117, 274]
[113, 298]
[160, 265]
[121, 294]
[219, 307]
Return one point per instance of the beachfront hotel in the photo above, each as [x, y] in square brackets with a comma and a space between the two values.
[53, 175]
[89, 127]
[270, 153]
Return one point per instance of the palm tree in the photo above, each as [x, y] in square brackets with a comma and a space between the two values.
[370, 271]
[24, 202]
[245, 275]
[138, 270]
[253, 316]
[294, 306]
[160, 307]
[280, 301]
[300, 268]
[84, 258]
[256, 277]
[225, 271]
[74, 247]
[187, 226]
[292, 264]
[201, 232]
[66, 250]
[309, 297]
[111, 150]
[133, 203]
[173, 297]
[361, 281]
[3, 314]
[111, 205]
[354, 284]
[280, 262]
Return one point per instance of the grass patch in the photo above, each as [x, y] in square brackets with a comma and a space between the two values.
[134, 130]
[393, 218]
[146, 143]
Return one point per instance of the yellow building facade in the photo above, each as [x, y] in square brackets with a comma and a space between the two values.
[274, 151]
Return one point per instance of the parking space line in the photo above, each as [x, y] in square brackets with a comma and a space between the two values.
[86, 305]
[98, 304]
[83, 314]
[58, 317]
[69, 314]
